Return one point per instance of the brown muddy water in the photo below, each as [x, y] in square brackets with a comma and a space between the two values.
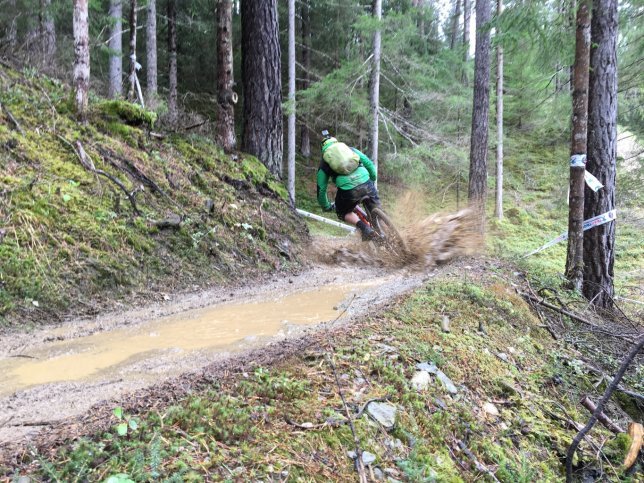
[223, 327]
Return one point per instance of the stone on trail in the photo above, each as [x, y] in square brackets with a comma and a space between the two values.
[384, 413]
[421, 380]
[491, 409]
[432, 369]
[367, 458]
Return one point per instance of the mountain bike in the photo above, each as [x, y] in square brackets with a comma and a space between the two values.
[387, 235]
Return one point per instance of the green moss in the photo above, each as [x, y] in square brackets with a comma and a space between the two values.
[132, 114]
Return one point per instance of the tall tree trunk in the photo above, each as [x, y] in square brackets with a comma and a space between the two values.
[480, 113]
[291, 101]
[173, 112]
[454, 26]
[466, 38]
[498, 210]
[374, 93]
[47, 35]
[131, 94]
[262, 81]
[116, 49]
[226, 97]
[575, 254]
[151, 52]
[81, 58]
[305, 137]
[599, 242]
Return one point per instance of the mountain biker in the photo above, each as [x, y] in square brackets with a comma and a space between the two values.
[354, 174]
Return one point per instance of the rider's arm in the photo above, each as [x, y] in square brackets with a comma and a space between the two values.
[368, 164]
[323, 183]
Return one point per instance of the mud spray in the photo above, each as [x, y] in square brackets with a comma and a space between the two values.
[429, 240]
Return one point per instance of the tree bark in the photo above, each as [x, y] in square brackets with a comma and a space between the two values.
[131, 94]
[498, 211]
[305, 137]
[47, 35]
[477, 188]
[291, 101]
[81, 58]
[374, 93]
[173, 112]
[151, 52]
[226, 97]
[12, 34]
[116, 49]
[466, 39]
[454, 26]
[599, 242]
[262, 82]
[575, 253]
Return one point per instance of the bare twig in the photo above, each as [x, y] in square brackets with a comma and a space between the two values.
[600, 406]
[601, 417]
[13, 120]
[359, 463]
[477, 464]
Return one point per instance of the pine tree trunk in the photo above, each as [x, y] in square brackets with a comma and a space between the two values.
[305, 138]
[599, 242]
[454, 26]
[81, 58]
[291, 101]
[173, 112]
[480, 113]
[47, 35]
[575, 254]
[466, 39]
[116, 49]
[131, 94]
[498, 210]
[262, 81]
[374, 85]
[151, 52]
[226, 97]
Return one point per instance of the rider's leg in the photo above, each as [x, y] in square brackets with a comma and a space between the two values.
[352, 218]
[366, 231]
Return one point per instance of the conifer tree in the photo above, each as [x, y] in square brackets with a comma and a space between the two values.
[131, 94]
[305, 14]
[291, 101]
[173, 111]
[81, 58]
[151, 51]
[374, 85]
[498, 210]
[116, 49]
[226, 97]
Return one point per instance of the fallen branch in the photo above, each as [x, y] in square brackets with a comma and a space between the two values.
[477, 464]
[600, 406]
[359, 463]
[576, 317]
[88, 164]
[601, 417]
[13, 120]
[329, 423]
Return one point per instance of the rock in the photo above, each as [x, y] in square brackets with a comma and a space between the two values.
[384, 413]
[367, 458]
[392, 472]
[210, 206]
[378, 474]
[394, 444]
[431, 368]
[421, 380]
[387, 349]
[440, 403]
[445, 324]
[503, 356]
[491, 409]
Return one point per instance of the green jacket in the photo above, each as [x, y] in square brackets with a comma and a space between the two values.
[364, 172]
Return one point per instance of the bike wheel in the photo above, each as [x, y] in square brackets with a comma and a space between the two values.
[390, 235]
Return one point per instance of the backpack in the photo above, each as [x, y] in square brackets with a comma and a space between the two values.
[341, 158]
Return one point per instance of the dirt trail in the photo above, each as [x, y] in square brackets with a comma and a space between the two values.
[52, 374]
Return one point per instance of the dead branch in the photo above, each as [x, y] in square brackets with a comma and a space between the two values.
[636, 432]
[196, 125]
[13, 120]
[600, 406]
[576, 317]
[359, 463]
[601, 417]
[88, 164]
[477, 464]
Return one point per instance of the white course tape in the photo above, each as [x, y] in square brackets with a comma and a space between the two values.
[592, 182]
[588, 224]
[578, 161]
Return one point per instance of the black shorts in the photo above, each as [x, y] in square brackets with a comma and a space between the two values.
[346, 200]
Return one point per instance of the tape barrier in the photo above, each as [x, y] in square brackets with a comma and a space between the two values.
[592, 182]
[588, 224]
[578, 161]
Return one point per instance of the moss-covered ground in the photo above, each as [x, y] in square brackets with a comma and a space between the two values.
[71, 241]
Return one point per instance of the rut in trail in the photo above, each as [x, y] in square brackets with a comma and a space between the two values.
[431, 241]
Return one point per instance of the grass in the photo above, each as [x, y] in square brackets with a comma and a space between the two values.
[71, 238]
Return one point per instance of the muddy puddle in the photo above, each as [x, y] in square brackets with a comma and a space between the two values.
[227, 328]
